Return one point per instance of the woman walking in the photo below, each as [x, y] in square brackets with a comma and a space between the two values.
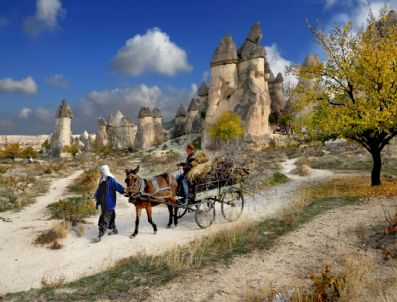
[105, 197]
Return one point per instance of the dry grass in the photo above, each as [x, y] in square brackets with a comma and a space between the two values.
[48, 281]
[352, 186]
[302, 167]
[59, 231]
[87, 182]
[356, 281]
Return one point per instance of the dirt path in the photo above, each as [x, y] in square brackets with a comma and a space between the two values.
[327, 240]
[23, 265]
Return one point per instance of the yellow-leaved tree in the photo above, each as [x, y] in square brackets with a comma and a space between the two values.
[226, 128]
[354, 95]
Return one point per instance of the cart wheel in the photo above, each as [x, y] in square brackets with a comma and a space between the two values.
[232, 204]
[180, 212]
[205, 214]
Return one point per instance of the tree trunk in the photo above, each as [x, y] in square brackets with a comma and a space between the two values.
[376, 168]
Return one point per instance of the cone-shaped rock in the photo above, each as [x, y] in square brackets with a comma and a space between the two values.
[251, 48]
[226, 52]
[145, 112]
[203, 89]
[311, 60]
[181, 111]
[279, 78]
[64, 110]
[194, 105]
[156, 113]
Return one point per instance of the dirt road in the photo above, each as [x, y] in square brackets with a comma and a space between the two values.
[24, 265]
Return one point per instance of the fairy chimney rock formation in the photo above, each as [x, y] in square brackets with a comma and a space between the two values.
[309, 84]
[121, 132]
[202, 91]
[180, 121]
[118, 132]
[277, 95]
[102, 137]
[238, 84]
[62, 135]
[146, 133]
[158, 126]
[192, 112]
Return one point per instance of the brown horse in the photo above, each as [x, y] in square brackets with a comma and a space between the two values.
[147, 193]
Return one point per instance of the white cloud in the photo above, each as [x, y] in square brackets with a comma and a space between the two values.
[152, 52]
[128, 100]
[46, 17]
[43, 114]
[357, 10]
[24, 113]
[25, 86]
[57, 80]
[279, 64]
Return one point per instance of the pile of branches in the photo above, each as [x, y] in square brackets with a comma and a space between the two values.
[222, 172]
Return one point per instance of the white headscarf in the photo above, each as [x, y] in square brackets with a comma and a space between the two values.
[105, 173]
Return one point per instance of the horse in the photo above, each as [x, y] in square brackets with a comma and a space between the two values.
[147, 193]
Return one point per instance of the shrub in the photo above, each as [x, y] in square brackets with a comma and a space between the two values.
[29, 152]
[73, 209]
[227, 127]
[72, 149]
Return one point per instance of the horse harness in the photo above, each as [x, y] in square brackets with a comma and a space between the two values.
[141, 195]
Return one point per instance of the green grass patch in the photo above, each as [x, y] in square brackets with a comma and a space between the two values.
[133, 277]
[278, 178]
[72, 209]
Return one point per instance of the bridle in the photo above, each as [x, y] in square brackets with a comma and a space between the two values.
[138, 185]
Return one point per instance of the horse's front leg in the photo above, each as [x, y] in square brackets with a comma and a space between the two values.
[149, 218]
[170, 211]
[138, 211]
[175, 208]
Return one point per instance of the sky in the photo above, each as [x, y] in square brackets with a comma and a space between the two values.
[108, 55]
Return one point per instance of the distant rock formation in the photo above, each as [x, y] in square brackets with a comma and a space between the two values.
[238, 85]
[179, 122]
[150, 128]
[159, 133]
[192, 113]
[62, 135]
[118, 132]
[309, 84]
[202, 100]
[86, 141]
[277, 95]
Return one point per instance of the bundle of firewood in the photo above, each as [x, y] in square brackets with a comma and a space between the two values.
[220, 171]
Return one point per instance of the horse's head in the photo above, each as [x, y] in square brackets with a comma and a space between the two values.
[133, 181]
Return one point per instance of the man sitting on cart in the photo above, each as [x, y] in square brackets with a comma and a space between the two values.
[182, 177]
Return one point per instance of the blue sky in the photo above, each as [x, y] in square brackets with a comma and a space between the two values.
[56, 49]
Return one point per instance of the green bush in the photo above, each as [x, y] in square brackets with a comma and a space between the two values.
[72, 209]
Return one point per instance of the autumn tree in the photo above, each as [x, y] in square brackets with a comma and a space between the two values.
[354, 95]
[12, 151]
[226, 128]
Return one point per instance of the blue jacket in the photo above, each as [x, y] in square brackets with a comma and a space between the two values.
[112, 185]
